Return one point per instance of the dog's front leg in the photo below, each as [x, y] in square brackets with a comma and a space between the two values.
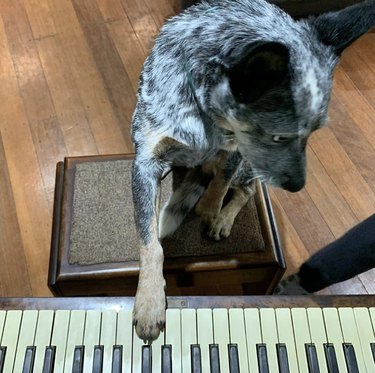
[149, 306]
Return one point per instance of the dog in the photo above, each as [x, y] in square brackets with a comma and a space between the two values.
[232, 88]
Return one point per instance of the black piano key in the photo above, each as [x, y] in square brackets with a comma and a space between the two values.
[350, 358]
[196, 361]
[146, 359]
[372, 345]
[3, 351]
[97, 366]
[234, 363]
[49, 359]
[78, 359]
[117, 359]
[214, 358]
[262, 358]
[28, 362]
[312, 358]
[331, 359]
[282, 358]
[166, 359]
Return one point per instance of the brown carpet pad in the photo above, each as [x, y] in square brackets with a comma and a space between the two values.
[103, 229]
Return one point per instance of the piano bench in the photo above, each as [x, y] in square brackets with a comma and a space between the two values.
[94, 246]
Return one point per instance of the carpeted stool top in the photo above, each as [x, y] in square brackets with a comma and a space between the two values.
[103, 229]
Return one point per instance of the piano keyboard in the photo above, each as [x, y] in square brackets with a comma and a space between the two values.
[195, 340]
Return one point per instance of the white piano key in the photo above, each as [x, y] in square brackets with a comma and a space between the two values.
[156, 353]
[75, 337]
[42, 337]
[125, 337]
[285, 332]
[366, 335]
[173, 336]
[334, 335]
[221, 336]
[301, 336]
[372, 314]
[253, 337]
[188, 337]
[2, 322]
[137, 353]
[205, 336]
[238, 336]
[350, 334]
[318, 335]
[59, 337]
[10, 337]
[26, 337]
[269, 336]
[108, 337]
[91, 338]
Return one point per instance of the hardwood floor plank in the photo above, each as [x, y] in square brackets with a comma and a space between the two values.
[45, 129]
[142, 22]
[129, 49]
[305, 218]
[359, 69]
[33, 213]
[358, 108]
[67, 102]
[40, 16]
[161, 10]
[352, 286]
[109, 64]
[293, 248]
[111, 10]
[343, 172]
[14, 273]
[358, 148]
[124, 37]
[332, 206]
[368, 280]
[105, 125]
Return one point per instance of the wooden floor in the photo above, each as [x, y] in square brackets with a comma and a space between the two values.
[69, 70]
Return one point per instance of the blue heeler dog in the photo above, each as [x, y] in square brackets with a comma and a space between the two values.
[232, 88]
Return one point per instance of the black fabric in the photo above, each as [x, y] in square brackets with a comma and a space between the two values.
[341, 260]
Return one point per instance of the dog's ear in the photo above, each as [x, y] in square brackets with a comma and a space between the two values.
[264, 67]
[339, 29]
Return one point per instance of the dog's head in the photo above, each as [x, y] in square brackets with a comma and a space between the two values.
[277, 92]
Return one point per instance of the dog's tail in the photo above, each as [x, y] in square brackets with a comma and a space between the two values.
[182, 201]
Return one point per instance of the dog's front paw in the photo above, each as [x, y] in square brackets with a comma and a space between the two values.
[220, 227]
[149, 312]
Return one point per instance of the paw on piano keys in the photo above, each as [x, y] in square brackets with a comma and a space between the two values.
[195, 340]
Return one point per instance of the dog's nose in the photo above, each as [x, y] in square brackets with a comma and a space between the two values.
[293, 184]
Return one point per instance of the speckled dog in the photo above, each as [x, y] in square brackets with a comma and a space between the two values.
[235, 88]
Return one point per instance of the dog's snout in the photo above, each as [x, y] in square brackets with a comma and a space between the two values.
[293, 184]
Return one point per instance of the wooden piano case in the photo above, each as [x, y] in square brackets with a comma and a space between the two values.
[254, 272]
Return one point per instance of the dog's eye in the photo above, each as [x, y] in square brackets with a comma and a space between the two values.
[280, 139]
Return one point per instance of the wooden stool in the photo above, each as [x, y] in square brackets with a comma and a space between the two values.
[94, 248]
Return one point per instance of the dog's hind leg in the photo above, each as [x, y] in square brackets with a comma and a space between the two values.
[222, 224]
[149, 306]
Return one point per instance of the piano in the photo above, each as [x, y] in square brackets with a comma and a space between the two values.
[202, 334]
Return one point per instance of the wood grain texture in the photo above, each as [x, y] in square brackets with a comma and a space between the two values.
[69, 72]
